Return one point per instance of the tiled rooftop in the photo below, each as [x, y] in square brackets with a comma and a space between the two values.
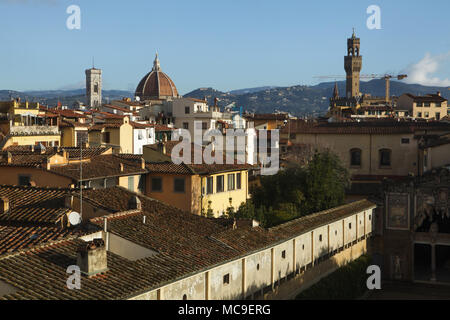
[186, 244]
[101, 166]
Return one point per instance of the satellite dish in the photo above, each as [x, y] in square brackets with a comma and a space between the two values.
[74, 218]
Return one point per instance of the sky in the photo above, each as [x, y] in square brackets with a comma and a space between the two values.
[226, 44]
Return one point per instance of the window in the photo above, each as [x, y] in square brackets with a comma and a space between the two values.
[157, 184]
[419, 104]
[426, 104]
[355, 157]
[24, 180]
[405, 140]
[219, 184]
[186, 110]
[335, 232]
[226, 279]
[320, 237]
[131, 183]
[204, 125]
[231, 181]
[186, 125]
[303, 247]
[238, 180]
[438, 115]
[427, 114]
[350, 225]
[184, 297]
[385, 158]
[257, 266]
[178, 185]
[106, 137]
[209, 185]
[419, 114]
[283, 254]
[370, 217]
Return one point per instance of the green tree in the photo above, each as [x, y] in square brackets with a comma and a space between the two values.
[298, 191]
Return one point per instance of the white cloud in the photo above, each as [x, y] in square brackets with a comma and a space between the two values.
[422, 71]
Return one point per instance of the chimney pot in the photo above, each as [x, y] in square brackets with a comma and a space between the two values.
[134, 203]
[92, 257]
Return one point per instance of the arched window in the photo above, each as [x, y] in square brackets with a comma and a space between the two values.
[355, 157]
[385, 157]
[184, 297]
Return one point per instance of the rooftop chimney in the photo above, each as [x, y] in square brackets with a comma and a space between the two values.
[121, 167]
[162, 147]
[48, 164]
[4, 205]
[92, 257]
[134, 203]
[9, 157]
[142, 163]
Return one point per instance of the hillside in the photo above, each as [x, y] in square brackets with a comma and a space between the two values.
[298, 100]
[306, 100]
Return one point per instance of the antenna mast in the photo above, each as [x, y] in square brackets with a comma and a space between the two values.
[81, 180]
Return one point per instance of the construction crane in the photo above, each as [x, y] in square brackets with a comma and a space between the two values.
[386, 77]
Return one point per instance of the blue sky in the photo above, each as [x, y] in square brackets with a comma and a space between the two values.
[221, 44]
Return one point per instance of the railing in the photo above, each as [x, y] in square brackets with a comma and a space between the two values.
[33, 130]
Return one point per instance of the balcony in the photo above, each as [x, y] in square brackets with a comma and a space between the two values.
[34, 130]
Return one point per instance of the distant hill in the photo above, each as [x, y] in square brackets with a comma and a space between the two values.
[66, 97]
[298, 100]
[251, 90]
[304, 100]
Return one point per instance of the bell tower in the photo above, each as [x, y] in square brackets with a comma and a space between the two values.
[94, 87]
[352, 65]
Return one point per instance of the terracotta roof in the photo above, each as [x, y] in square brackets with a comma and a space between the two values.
[190, 168]
[33, 204]
[67, 113]
[24, 155]
[24, 160]
[15, 238]
[185, 244]
[427, 98]
[117, 108]
[156, 84]
[100, 167]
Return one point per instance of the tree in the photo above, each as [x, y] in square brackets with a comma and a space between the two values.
[298, 190]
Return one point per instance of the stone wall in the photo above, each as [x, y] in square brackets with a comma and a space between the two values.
[322, 249]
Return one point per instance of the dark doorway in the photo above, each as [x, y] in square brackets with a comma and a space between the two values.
[422, 262]
[442, 263]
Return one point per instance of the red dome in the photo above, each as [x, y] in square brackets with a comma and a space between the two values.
[156, 85]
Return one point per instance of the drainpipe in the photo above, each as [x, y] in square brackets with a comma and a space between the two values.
[105, 230]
